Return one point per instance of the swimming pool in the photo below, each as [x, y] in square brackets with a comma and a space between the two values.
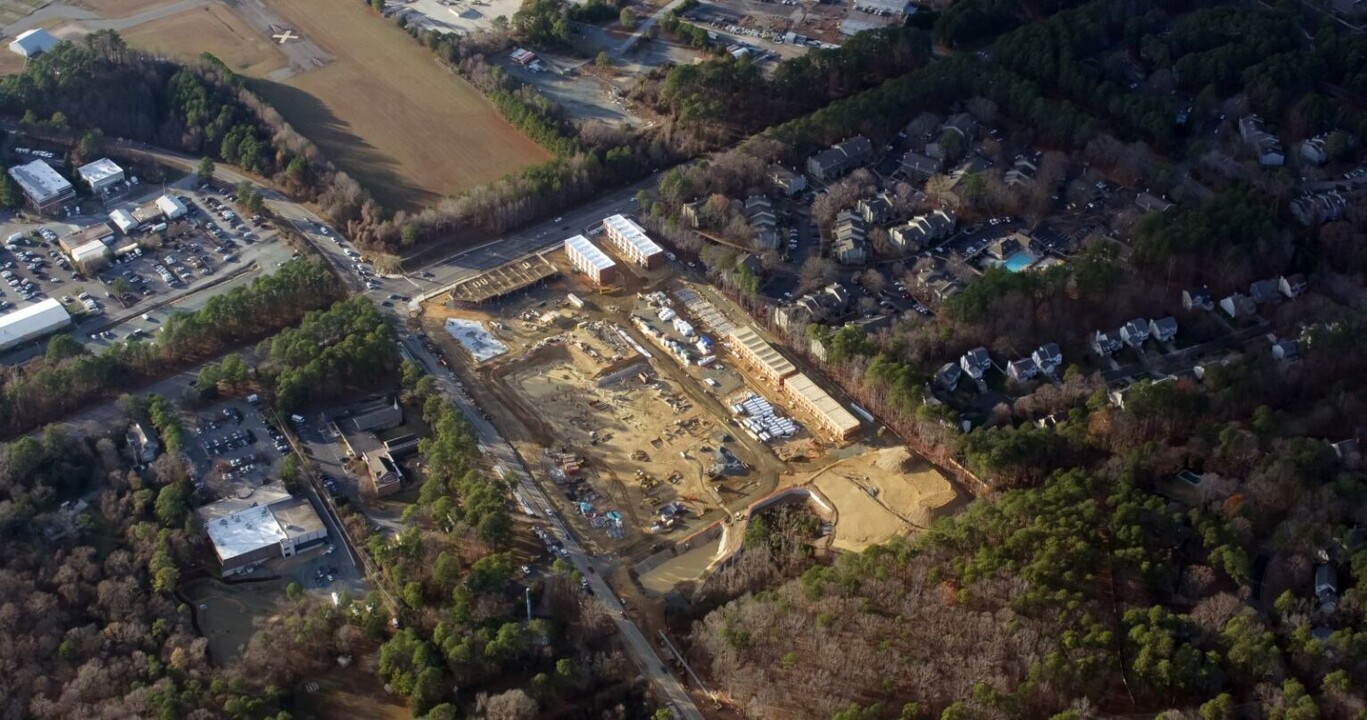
[1020, 261]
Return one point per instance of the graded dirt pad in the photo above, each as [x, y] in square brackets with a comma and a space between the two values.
[213, 29]
[907, 494]
[388, 113]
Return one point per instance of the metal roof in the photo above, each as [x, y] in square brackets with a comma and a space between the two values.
[39, 181]
[581, 246]
[99, 171]
[632, 234]
[244, 532]
[33, 321]
[32, 42]
[762, 352]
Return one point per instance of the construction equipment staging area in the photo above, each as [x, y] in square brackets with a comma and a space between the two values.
[502, 280]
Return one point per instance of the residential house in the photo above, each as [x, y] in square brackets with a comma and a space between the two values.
[1135, 332]
[143, 445]
[1250, 126]
[691, 213]
[1313, 208]
[1106, 343]
[1266, 145]
[1264, 292]
[916, 165]
[922, 230]
[1312, 150]
[1022, 172]
[1238, 305]
[975, 362]
[850, 232]
[1008, 246]
[1292, 286]
[964, 125]
[1022, 370]
[1348, 452]
[1047, 358]
[760, 212]
[1286, 349]
[825, 306]
[947, 377]
[1326, 589]
[793, 317]
[877, 210]
[1150, 203]
[840, 158]
[786, 181]
[1163, 329]
[1197, 300]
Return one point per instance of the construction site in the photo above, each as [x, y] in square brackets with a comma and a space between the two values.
[653, 418]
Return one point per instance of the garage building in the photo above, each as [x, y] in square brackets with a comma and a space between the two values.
[45, 189]
[262, 524]
[632, 242]
[34, 321]
[101, 175]
[588, 259]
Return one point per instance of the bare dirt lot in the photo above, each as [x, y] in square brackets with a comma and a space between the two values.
[385, 111]
[213, 29]
[227, 612]
[879, 495]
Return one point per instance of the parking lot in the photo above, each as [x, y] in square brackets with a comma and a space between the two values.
[211, 246]
[234, 447]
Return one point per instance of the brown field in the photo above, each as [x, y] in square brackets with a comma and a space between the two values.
[388, 114]
[908, 494]
[213, 29]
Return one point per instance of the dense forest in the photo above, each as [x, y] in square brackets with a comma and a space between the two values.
[69, 377]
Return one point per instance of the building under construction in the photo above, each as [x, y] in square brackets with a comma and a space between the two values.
[503, 280]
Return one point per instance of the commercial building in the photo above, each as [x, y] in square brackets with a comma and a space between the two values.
[34, 321]
[91, 255]
[101, 175]
[172, 208]
[759, 355]
[829, 414]
[588, 259]
[123, 220]
[264, 523]
[632, 242]
[99, 232]
[32, 43]
[45, 190]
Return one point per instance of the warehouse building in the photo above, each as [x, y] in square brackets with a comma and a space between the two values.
[92, 255]
[588, 259]
[259, 525]
[45, 190]
[32, 43]
[759, 355]
[123, 220]
[818, 404]
[632, 242]
[99, 232]
[101, 175]
[34, 321]
[172, 208]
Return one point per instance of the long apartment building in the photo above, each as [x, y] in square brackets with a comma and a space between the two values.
[588, 259]
[799, 389]
[631, 242]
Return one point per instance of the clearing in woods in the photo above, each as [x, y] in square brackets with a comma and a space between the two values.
[213, 29]
[882, 494]
[386, 112]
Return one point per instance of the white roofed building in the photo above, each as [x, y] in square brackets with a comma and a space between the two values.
[265, 523]
[101, 174]
[587, 258]
[45, 189]
[172, 208]
[632, 242]
[34, 321]
[32, 43]
[92, 255]
[123, 220]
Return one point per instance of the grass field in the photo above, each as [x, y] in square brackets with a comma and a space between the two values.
[118, 8]
[388, 114]
[213, 29]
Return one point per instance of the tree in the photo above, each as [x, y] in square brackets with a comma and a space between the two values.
[602, 60]
[91, 145]
[248, 197]
[204, 172]
[628, 18]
